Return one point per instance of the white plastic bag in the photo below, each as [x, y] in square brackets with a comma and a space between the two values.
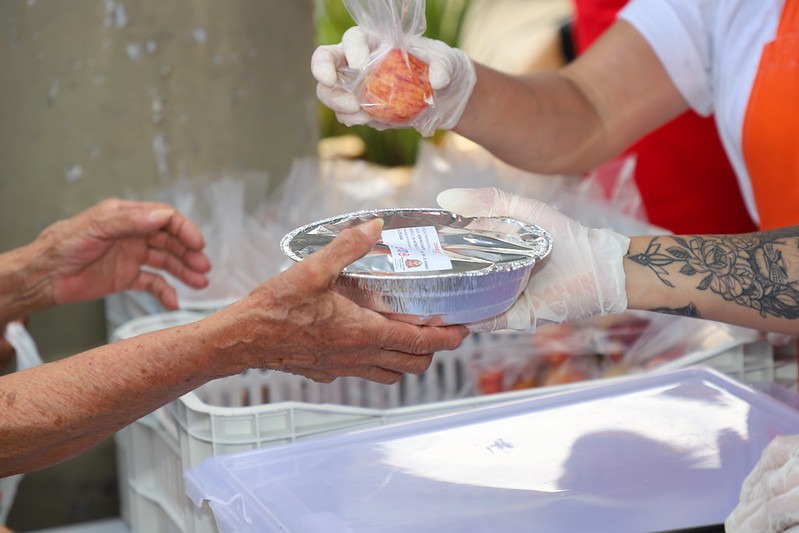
[27, 356]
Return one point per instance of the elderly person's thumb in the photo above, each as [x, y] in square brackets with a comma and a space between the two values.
[349, 246]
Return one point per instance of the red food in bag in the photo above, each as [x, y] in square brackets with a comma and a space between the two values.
[398, 89]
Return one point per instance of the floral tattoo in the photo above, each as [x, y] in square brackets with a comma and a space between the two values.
[752, 270]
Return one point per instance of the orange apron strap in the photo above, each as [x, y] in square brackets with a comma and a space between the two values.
[771, 126]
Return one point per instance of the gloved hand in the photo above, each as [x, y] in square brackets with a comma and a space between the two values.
[769, 501]
[340, 70]
[583, 276]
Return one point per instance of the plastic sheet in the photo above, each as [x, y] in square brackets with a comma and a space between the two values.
[655, 453]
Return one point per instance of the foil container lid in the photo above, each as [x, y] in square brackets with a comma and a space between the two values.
[488, 261]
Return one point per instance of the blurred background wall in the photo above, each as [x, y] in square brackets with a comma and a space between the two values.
[103, 98]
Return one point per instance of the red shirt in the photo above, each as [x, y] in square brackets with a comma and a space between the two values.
[686, 182]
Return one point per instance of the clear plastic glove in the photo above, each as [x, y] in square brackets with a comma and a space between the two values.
[342, 69]
[583, 276]
[769, 501]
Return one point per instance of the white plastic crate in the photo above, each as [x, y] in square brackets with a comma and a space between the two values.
[257, 409]
[265, 408]
[659, 452]
[125, 306]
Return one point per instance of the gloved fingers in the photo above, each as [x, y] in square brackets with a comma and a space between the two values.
[780, 451]
[747, 518]
[489, 324]
[778, 481]
[325, 62]
[338, 100]
[491, 202]
[439, 74]
[357, 49]
[353, 52]
[485, 202]
[443, 61]
[354, 119]
[582, 277]
[520, 316]
[769, 499]
[783, 510]
[768, 515]
[452, 77]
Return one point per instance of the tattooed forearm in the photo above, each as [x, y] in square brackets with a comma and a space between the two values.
[689, 310]
[759, 270]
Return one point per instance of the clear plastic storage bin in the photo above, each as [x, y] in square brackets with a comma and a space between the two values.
[655, 453]
[261, 409]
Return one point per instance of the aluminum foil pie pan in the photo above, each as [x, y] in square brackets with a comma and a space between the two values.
[444, 269]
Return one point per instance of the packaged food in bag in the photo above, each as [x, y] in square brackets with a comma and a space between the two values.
[394, 87]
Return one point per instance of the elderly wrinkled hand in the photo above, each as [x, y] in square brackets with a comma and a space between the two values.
[340, 69]
[105, 248]
[297, 322]
[583, 276]
[769, 500]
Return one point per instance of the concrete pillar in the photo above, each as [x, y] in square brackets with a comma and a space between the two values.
[105, 97]
[102, 98]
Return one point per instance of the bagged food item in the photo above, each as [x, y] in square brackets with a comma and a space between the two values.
[394, 86]
[598, 347]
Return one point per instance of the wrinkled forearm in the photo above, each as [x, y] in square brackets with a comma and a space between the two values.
[750, 280]
[57, 410]
[24, 285]
[295, 322]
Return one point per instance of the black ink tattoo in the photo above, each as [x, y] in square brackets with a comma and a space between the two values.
[749, 270]
[689, 310]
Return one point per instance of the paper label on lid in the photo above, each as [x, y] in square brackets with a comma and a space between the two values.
[416, 249]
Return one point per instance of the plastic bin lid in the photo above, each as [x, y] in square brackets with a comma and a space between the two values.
[660, 452]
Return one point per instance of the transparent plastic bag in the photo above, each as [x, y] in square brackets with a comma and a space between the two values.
[599, 347]
[398, 21]
[605, 198]
[394, 88]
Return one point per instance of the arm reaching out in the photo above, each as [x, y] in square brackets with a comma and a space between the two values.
[582, 115]
[100, 251]
[295, 322]
[750, 280]
[561, 122]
